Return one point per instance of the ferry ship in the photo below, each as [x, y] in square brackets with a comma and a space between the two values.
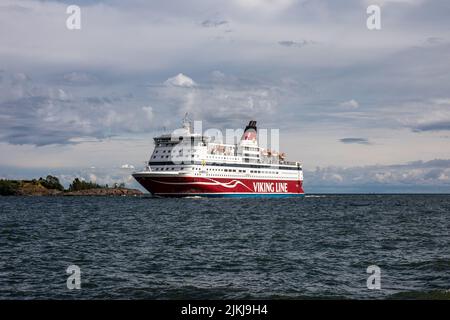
[187, 164]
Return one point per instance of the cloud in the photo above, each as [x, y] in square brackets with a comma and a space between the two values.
[353, 104]
[38, 114]
[433, 176]
[78, 78]
[386, 2]
[298, 44]
[213, 23]
[434, 41]
[180, 80]
[433, 126]
[354, 141]
[223, 103]
[266, 6]
[431, 115]
[149, 112]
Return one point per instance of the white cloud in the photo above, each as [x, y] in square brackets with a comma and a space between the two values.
[442, 101]
[92, 177]
[265, 5]
[78, 77]
[417, 174]
[149, 113]
[353, 104]
[385, 2]
[180, 80]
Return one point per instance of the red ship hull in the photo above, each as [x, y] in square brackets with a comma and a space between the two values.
[176, 186]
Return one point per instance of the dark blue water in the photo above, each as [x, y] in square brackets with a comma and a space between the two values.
[146, 248]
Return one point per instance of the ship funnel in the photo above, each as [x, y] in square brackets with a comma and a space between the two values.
[250, 131]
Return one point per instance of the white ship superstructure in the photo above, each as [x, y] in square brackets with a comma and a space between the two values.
[188, 164]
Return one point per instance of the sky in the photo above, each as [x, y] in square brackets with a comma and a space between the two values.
[363, 110]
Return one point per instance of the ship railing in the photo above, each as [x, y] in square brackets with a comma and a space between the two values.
[289, 163]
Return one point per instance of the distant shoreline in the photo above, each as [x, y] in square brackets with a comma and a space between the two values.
[51, 187]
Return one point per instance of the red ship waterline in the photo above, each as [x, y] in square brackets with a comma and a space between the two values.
[186, 164]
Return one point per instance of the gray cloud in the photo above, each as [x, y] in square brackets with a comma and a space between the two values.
[298, 44]
[354, 141]
[78, 78]
[433, 126]
[434, 41]
[417, 176]
[37, 114]
[213, 23]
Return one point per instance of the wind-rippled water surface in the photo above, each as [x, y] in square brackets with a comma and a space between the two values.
[149, 248]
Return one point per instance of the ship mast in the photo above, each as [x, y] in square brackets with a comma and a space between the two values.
[186, 123]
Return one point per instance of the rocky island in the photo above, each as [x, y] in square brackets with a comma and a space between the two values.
[50, 186]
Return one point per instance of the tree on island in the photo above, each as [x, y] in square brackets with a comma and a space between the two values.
[9, 187]
[51, 182]
[78, 184]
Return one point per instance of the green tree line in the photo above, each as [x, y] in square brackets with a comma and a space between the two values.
[12, 187]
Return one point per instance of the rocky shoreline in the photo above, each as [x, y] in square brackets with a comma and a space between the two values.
[42, 188]
[105, 192]
[89, 192]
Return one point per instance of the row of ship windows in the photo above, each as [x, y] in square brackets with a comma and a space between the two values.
[228, 157]
[192, 156]
[173, 151]
[216, 170]
[171, 144]
[162, 157]
[193, 151]
[209, 157]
